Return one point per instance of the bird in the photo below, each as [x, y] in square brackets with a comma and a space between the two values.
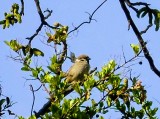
[77, 71]
[74, 75]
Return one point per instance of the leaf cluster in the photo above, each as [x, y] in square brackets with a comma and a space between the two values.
[11, 18]
[116, 91]
[153, 15]
[60, 34]
[5, 105]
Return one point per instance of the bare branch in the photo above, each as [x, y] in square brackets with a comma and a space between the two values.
[39, 10]
[35, 34]
[144, 31]
[90, 18]
[22, 8]
[131, 5]
[31, 88]
[138, 3]
[43, 22]
[46, 106]
[49, 13]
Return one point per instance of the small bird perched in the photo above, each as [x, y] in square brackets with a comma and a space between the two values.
[78, 69]
[75, 74]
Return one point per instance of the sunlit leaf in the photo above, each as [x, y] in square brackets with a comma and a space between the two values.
[37, 52]
[14, 45]
[136, 48]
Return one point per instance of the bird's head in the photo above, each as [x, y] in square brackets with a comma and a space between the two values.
[83, 57]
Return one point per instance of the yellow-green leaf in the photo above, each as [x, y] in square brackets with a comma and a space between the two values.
[136, 48]
[37, 52]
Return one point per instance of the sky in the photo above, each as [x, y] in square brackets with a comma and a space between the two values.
[102, 40]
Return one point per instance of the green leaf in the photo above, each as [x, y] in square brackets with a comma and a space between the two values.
[112, 64]
[89, 83]
[101, 104]
[18, 16]
[54, 59]
[136, 48]
[144, 14]
[153, 112]
[6, 42]
[2, 101]
[109, 101]
[140, 11]
[37, 52]
[25, 68]
[2, 22]
[14, 45]
[122, 108]
[34, 73]
[140, 114]
[48, 77]
[4, 26]
[78, 89]
[32, 117]
[48, 34]
[7, 23]
[66, 105]
[20, 117]
[137, 100]
[101, 117]
[108, 68]
[157, 20]
[93, 103]
[7, 100]
[156, 14]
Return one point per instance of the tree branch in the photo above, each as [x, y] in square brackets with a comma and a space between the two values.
[43, 22]
[90, 18]
[140, 39]
[46, 106]
[22, 8]
[31, 88]
[39, 10]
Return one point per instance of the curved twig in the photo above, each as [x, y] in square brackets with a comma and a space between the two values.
[90, 18]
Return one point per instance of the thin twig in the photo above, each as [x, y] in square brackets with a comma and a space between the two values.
[31, 88]
[144, 31]
[123, 55]
[90, 18]
[35, 34]
[49, 13]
